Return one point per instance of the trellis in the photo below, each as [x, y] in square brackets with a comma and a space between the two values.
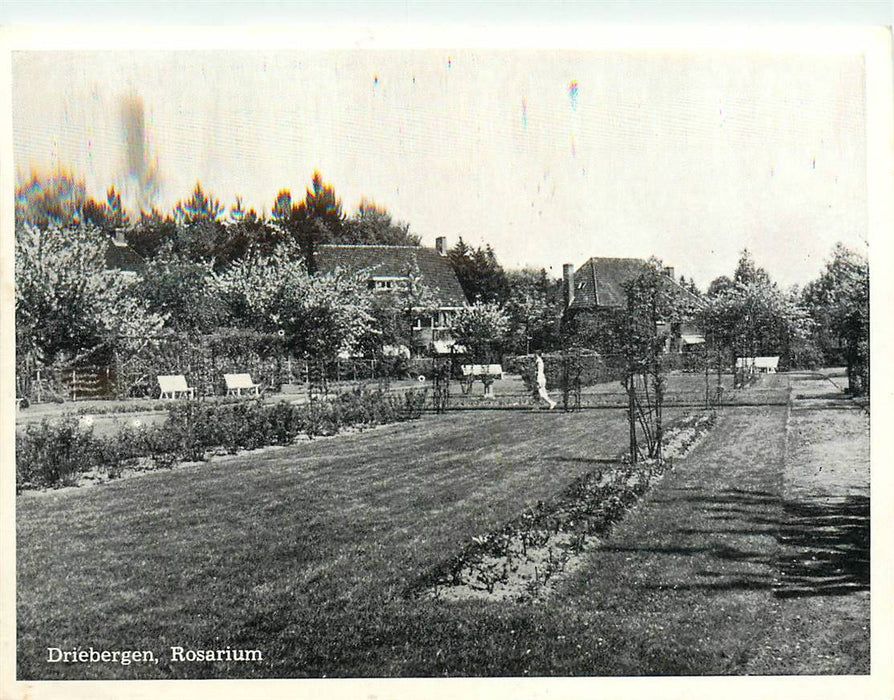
[645, 388]
[644, 375]
[442, 368]
[572, 367]
[714, 362]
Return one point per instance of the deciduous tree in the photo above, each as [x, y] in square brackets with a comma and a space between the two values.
[839, 303]
[319, 315]
[182, 288]
[752, 317]
[68, 304]
[534, 308]
[481, 328]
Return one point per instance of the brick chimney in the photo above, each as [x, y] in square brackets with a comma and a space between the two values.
[669, 271]
[441, 245]
[568, 277]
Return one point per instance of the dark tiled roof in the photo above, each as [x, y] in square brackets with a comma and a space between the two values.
[123, 257]
[395, 261]
[600, 282]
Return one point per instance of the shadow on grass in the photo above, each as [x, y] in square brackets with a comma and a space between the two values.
[811, 548]
[829, 395]
[825, 548]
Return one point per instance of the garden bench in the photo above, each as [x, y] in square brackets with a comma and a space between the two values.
[173, 384]
[237, 383]
[767, 364]
[486, 373]
[761, 364]
[481, 371]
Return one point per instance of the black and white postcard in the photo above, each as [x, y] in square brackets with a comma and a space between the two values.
[532, 364]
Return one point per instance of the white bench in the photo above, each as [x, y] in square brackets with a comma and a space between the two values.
[237, 383]
[763, 364]
[480, 371]
[486, 373]
[173, 384]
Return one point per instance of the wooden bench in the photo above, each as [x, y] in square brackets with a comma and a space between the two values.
[237, 383]
[173, 384]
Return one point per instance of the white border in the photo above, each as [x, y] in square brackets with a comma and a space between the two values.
[874, 43]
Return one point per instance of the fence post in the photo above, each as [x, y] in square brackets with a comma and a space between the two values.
[74, 385]
[631, 413]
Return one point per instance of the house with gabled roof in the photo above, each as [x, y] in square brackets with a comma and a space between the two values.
[598, 286]
[392, 268]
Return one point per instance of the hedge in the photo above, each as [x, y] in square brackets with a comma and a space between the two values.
[590, 368]
[52, 454]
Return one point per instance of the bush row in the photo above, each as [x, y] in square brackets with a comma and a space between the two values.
[56, 453]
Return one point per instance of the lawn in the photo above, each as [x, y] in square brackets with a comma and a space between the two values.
[308, 553]
[304, 552]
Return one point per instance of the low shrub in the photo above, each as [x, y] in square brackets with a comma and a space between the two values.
[55, 454]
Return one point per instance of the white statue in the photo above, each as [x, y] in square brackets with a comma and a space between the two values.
[541, 382]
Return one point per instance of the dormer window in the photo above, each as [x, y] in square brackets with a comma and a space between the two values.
[387, 283]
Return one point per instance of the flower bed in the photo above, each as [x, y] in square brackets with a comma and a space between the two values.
[57, 453]
[523, 559]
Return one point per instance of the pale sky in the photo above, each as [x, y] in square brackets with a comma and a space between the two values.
[551, 157]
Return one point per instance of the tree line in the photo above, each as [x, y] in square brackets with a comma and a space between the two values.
[206, 266]
[209, 266]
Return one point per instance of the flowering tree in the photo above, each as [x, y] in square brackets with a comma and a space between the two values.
[396, 310]
[68, 304]
[318, 315]
[480, 328]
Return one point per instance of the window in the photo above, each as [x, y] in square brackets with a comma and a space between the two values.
[387, 284]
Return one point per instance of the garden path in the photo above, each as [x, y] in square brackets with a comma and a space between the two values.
[756, 546]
